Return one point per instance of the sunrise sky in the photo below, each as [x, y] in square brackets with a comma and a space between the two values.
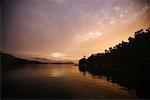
[69, 29]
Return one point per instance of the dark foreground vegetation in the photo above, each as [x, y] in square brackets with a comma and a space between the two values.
[126, 63]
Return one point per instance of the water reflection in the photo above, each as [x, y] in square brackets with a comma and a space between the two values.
[110, 81]
[59, 81]
[113, 82]
[133, 88]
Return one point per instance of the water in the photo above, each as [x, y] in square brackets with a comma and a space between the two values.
[58, 81]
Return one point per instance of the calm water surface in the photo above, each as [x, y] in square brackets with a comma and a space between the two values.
[58, 81]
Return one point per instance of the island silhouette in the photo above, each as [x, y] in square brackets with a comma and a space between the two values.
[127, 63]
[9, 62]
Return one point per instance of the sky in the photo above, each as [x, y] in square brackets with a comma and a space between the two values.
[69, 29]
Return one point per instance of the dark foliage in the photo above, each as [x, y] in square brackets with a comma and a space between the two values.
[128, 63]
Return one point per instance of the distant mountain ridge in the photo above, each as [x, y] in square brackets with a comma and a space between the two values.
[44, 60]
[8, 60]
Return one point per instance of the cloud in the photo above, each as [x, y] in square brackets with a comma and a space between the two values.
[116, 8]
[48, 27]
[121, 16]
[89, 35]
[141, 12]
[112, 21]
[57, 55]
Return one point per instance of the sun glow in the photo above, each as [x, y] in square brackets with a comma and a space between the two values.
[70, 29]
[57, 55]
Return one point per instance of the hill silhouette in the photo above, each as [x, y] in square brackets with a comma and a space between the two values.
[10, 62]
[127, 63]
[52, 61]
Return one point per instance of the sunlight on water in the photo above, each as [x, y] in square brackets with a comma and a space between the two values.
[60, 81]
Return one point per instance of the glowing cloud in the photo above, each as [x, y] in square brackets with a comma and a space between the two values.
[61, 29]
[116, 8]
[90, 35]
[57, 55]
[112, 22]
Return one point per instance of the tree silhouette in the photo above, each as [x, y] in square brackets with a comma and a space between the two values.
[127, 62]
